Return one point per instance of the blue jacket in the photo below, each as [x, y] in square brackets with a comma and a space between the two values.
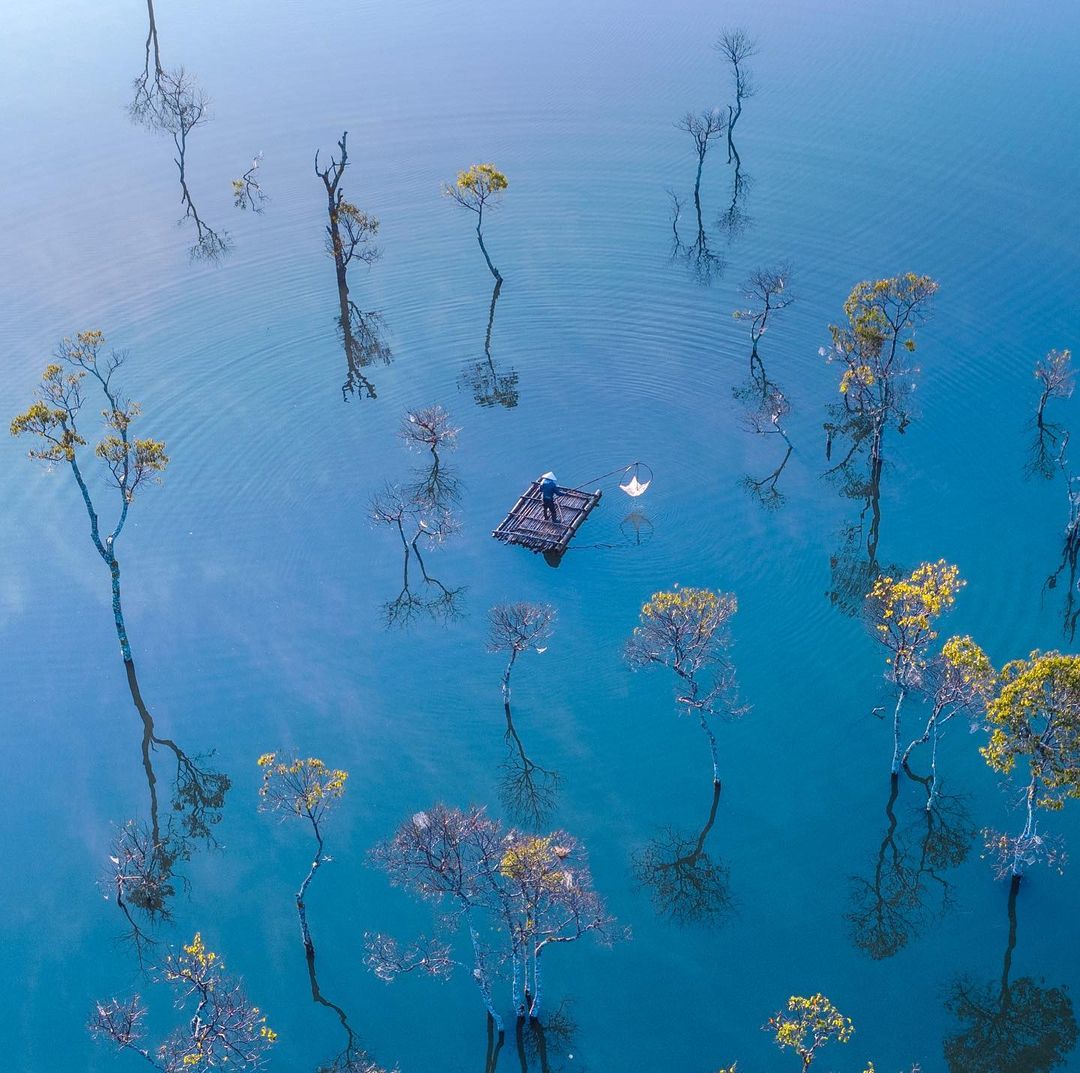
[548, 488]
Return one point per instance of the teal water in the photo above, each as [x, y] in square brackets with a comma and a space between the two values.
[928, 137]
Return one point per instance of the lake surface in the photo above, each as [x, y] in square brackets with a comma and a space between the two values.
[926, 137]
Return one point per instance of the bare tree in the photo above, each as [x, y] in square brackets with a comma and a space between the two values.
[350, 236]
[450, 856]
[737, 46]
[528, 790]
[766, 405]
[430, 429]
[420, 524]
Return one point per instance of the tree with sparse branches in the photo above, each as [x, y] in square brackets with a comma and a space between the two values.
[131, 462]
[687, 630]
[475, 189]
[528, 789]
[766, 404]
[224, 1030]
[306, 788]
[737, 46]
[350, 236]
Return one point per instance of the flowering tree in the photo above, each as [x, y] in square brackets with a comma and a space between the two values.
[808, 1025]
[687, 631]
[902, 612]
[474, 189]
[307, 789]
[224, 1030]
[1034, 726]
[130, 462]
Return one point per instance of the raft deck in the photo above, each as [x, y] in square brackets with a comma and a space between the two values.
[527, 526]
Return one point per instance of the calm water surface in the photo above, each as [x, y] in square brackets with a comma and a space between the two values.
[929, 137]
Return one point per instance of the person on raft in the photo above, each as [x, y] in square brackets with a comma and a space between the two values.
[548, 488]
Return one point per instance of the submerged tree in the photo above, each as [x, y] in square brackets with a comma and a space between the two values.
[766, 404]
[703, 127]
[1057, 379]
[902, 612]
[224, 1029]
[430, 429]
[307, 789]
[489, 386]
[687, 631]
[547, 887]
[809, 1023]
[873, 345]
[1009, 1026]
[131, 462]
[736, 46]
[687, 883]
[1034, 726]
[144, 855]
[519, 891]
[350, 236]
[958, 681]
[417, 523]
[528, 789]
[475, 189]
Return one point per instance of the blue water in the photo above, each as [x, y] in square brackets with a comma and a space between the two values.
[883, 138]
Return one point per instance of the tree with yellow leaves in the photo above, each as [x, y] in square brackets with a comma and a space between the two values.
[873, 346]
[687, 631]
[902, 612]
[808, 1025]
[309, 789]
[474, 189]
[225, 1029]
[130, 462]
[1034, 726]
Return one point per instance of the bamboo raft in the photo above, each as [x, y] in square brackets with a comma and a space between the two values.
[527, 526]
